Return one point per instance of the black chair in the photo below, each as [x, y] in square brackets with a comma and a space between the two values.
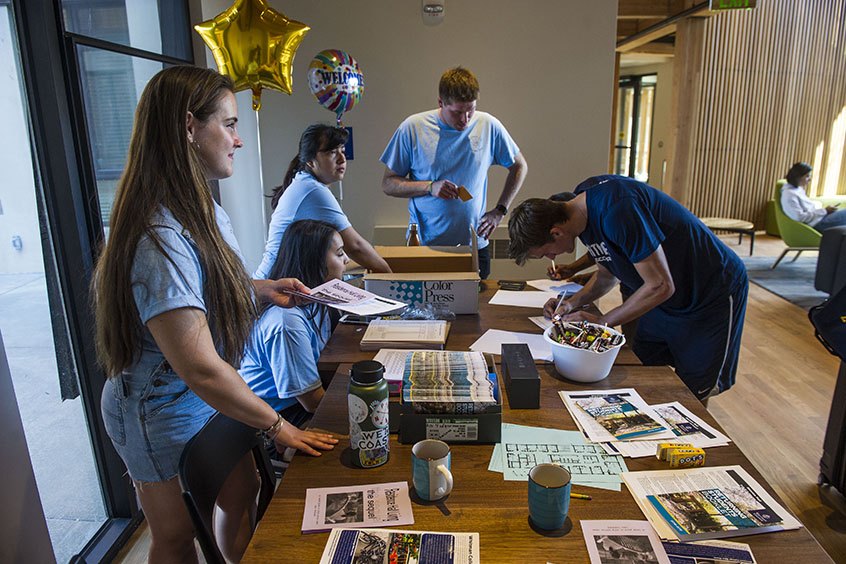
[207, 461]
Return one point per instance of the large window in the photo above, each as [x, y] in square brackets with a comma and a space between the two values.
[84, 63]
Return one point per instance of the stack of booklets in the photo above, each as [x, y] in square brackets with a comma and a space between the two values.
[706, 503]
[448, 382]
[625, 424]
[397, 333]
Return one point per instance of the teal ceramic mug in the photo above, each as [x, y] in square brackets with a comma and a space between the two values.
[430, 469]
[549, 495]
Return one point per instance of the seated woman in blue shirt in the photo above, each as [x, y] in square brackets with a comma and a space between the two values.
[280, 361]
[305, 194]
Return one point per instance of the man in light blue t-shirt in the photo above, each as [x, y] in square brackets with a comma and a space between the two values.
[434, 153]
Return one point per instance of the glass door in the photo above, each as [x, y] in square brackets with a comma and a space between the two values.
[636, 101]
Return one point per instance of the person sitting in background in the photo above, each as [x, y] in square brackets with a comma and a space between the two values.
[305, 194]
[280, 361]
[799, 207]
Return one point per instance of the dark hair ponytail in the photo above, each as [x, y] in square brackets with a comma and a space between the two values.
[317, 137]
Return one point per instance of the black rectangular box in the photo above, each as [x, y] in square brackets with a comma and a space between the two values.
[522, 380]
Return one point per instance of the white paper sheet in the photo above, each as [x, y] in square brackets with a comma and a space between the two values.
[346, 297]
[556, 286]
[493, 339]
[622, 541]
[372, 505]
[525, 298]
[541, 322]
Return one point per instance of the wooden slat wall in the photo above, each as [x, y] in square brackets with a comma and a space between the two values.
[773, 86]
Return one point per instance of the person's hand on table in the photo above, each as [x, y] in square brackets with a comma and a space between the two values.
[290, 436]
[549, 307]
[488, 223]
[444, 189]
[273, 291]
[582, 315]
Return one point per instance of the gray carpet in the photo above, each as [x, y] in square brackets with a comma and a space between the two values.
[793, 281]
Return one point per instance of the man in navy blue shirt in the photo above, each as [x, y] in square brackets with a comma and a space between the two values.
[689, 288]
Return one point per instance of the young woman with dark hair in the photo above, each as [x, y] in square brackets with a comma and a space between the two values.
[174, 307]
[799, 207]
[280, 362]
[305, 194]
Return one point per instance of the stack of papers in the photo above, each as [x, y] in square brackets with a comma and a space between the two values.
[448, 382]
[706, 503]
[397, 333]
[624, 424]
[524, 447]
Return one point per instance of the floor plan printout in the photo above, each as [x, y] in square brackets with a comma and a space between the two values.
[524, 447]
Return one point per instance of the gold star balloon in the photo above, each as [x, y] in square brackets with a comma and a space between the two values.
[254, 45]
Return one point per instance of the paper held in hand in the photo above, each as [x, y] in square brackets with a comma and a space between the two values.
[343, 296]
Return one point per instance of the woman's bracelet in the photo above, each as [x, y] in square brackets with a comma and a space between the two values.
[270, 433]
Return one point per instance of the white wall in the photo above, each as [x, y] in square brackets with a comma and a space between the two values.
[545, 69]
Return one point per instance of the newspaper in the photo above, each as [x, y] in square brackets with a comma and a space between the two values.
[622, 541]
[686, 426]
[709, 552]
[383, 546]
[614, 415]
[370, 505]
[346, 297]
[706, 503]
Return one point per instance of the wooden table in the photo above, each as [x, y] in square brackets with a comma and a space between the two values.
[482, 501]
[739, 226]
[343, 346]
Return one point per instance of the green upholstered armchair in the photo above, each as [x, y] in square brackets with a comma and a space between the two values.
[796, 235]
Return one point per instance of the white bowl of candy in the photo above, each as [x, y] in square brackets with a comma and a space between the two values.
[583, 351]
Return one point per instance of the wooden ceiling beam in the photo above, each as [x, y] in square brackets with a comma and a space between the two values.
[661, 29]
[655, 49]
[641, 9]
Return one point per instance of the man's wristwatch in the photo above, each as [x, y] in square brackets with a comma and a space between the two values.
[501, 209]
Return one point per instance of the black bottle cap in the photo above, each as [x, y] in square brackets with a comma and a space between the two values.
[367, 371]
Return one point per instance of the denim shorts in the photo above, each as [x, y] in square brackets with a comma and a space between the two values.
[150, 414]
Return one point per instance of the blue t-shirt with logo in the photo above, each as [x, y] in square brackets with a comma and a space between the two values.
[628, 220]
[425, 148]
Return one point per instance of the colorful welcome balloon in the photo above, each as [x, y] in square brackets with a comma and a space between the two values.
[336, 81]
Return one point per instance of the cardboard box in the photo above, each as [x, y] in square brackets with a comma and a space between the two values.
[428, 259]
[459, 291]
[473, 428]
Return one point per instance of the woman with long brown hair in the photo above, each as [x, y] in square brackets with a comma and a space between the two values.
[174, 309]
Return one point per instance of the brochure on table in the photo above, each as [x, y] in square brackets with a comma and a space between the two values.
[706, 503]
[353, 546]
[708, 552]
[622, 541]
[687, 427]
[340, 295]
[369, 505]
[596, 427]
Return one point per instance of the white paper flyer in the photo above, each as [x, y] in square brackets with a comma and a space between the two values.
[384, 546]
[370, 505]
[610, 542]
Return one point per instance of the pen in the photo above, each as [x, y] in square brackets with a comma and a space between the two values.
[579, 496]
[556, 317]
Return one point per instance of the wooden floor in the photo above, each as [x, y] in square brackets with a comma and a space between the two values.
[776, 413]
